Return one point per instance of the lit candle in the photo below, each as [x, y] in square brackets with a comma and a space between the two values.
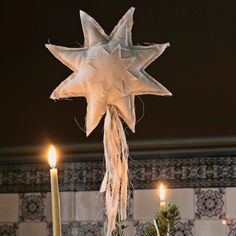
[56, 213]
[162, 196]
[224, 222]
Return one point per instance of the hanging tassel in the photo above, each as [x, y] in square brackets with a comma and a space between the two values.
[115, 181]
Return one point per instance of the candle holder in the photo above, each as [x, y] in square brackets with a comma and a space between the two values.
[162, 204]
[227, 221]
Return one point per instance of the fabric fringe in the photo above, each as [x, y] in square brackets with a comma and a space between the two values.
[115, 181]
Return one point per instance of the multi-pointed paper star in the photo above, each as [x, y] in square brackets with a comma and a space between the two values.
[108, 70]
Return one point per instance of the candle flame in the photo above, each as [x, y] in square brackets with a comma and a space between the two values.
[162, 193]
[224, 222]
[52, 156]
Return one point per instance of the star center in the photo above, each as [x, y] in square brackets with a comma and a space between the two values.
[110, 69]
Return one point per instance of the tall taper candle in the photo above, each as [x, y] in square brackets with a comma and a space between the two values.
[56, 213]
[162, 196]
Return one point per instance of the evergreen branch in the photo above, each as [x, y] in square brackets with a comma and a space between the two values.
[150, 230]
[166, 220]
[120, 227]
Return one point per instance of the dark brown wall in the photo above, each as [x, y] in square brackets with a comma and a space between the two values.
[199, 68]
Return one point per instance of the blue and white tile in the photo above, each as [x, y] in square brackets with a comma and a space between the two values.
[185, 228]
[8, 229]
[231, 229]
[139, 227]
[89, 229]
[68, 229]
[130, 205]
[210, 203]
[32, 207]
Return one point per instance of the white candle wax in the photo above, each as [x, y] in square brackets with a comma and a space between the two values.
[56, 213]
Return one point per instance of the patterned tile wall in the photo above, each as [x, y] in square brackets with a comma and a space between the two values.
[204, 188]
[203, 211]
[185, 172]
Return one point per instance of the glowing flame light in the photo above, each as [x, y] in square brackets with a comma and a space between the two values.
[162, 193]
[224, 222]
[52, 156]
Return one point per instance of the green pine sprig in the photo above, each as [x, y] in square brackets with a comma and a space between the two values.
[150, 230]
[166, 220]
[119, 228]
